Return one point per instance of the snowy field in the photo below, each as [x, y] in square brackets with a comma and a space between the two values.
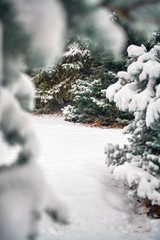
[73, 160]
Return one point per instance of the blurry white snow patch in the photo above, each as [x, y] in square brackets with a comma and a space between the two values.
[23, 89]
[110, 33]
[16, 122]
[22, 201]
[1, 45]
[45, 21]
[93, 2]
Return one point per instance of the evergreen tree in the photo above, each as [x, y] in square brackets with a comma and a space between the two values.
[54, 84]
[89, 94]
[138, 91]
[91, 104]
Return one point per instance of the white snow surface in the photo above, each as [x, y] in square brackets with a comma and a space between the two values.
[73, 162]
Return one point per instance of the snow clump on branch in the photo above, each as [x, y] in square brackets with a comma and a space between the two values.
[138, 90]
[27, 35]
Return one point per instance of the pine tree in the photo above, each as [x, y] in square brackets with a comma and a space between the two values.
[54, 83]
[91, 104]
[138, 164]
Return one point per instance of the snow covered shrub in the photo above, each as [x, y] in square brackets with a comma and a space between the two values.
[91, 104]
[88, 106]
[54, 84]
[138, 91]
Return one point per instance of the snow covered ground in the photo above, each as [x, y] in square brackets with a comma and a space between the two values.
[73, 160]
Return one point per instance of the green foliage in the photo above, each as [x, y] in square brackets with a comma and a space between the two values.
[54, 84]
[91, 104]
[82, 78]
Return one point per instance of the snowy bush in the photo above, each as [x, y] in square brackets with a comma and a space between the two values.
[91, 104]
[138, 91]
[54, 84]
[25, 195]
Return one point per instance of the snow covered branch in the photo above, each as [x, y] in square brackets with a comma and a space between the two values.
[24, 29]
[137, 90]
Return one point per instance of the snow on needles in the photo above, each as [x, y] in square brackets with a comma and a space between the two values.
[74, 49]
[136, 176]
[138, 91]
[127, 95]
